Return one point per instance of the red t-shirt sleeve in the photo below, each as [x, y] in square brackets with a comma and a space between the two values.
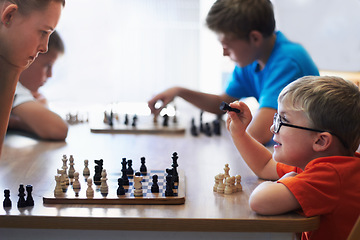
[314, 189]
[282, 169]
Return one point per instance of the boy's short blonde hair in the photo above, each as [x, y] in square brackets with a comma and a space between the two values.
[331, 104]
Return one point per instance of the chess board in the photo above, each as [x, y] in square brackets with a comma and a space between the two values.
[112, 198]
[144, 125]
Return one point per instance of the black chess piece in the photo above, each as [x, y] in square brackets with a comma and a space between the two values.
[175, 165]
[208, 130]
[143, 168]
[216, 127]
[7, 200]
[121, 189]
[201, 121]
[225, 107]
[155, 186]
[193, 129]
[165, 120]
[97, 175]
[29, 198]
[130, 170]
[126, 121]
[125, 178]
[21, 202]
[111, 118]
[169, 186]
[134, 121]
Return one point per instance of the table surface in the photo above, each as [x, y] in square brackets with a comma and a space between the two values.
[26, 160]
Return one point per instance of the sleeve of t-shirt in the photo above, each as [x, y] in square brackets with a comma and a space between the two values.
[22, 95]
[281, 74]
[236, 84]
[315, 189]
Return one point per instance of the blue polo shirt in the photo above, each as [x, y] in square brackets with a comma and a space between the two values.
[288, 61]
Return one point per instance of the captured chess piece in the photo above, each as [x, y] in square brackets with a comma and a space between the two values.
[29, 198]
[7, 200]
[21, 202]
[226, 107]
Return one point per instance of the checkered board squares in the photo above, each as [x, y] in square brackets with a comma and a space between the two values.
[129, 198]
[144, 125]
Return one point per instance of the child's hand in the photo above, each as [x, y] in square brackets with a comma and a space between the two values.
[165, 97]
[237, 123]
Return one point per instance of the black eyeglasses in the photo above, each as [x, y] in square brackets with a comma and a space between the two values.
[277, 123]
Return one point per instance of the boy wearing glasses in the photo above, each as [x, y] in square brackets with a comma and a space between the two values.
[314, 163]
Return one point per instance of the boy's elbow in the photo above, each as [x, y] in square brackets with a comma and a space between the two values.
[58, 133]
[258, 204]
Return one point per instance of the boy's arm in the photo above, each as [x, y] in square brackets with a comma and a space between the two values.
[271, 198]
[207, 102]
[36, 118]
[257, 157]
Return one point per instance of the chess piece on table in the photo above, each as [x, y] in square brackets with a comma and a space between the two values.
[228, 189]
[216, 127]
[216, 184]
[64, 167]
[221, 187]
[193, 129]
[121, 190]
[207, 130]
[175, 165]
[86, 171]
[63, 184]
[138, 192]
[7, 200]
[21, 202]
[165, 120]
[143, 169]
[238, 183]
[104, 189]
[58, 191]
[71, 168]
[169, 186]
[89, 190]
[76, 184]
[227, 170]
[155, 186]
[29, 198]
[129, 170]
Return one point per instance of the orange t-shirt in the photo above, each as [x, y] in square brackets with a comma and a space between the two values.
[330, 188]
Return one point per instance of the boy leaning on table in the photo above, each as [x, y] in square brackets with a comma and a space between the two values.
[314, 163]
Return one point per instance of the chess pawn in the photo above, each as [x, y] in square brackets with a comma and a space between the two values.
[238, 183]
[64, 167]
[62, 180]
[228, 188]
[137, 185]
[71, 168]
[86, 171]
[104, 189]
[7, 200]
[232, 184]
[76, 184]
[226, 169]
[216, 183]
[58, 189]
[89, 190]
[121, 190]
[129, 170]
[155, 186]
[143, 169]
[221, 187]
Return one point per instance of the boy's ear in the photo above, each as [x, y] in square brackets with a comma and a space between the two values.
[8, 13]
[322, 142]
[255, 37]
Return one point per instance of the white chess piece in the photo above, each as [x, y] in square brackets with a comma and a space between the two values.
[76, 184]
[71, 168]
[228, 188]
[58, 192]
[138, 186]
[104, 189]
[89, 190]
[221, 186]
[216, 184]
[86, 171]
[62, 179]
[64, 167]
[226, 169]
[238, 183]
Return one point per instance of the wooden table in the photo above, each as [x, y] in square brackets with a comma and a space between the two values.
[205, 213]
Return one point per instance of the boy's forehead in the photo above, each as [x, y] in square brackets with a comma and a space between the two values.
[225, 37]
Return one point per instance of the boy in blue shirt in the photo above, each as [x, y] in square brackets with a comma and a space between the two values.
[266, 62]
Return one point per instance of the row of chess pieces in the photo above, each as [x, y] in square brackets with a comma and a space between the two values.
[226, 184]
[22, 202]
[110, 117]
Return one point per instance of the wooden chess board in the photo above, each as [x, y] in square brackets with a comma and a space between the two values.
[148, 197]
[144, 125]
